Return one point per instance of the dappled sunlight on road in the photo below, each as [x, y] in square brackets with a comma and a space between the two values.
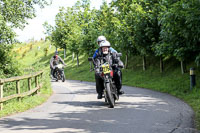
[74, 108]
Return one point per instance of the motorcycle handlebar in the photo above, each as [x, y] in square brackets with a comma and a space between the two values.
[119, 54]
[90, 59]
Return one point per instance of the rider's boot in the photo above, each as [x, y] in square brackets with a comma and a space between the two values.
[99, 96]
[120, 92]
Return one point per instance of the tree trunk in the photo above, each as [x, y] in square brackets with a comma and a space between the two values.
[144, 63]
[126, 61]
[77, 59]
[64, 53]
[183, 67]
[161, 65]
[73, 56]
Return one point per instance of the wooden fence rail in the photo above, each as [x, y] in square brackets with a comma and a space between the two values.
[19, 95]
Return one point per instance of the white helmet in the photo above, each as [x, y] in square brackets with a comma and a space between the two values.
[105, 44]
[101, 38]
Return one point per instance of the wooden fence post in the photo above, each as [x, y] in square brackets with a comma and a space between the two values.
[36, 82]
[41, 75]
[18, 89]
[1, 95]
[29, 84]
[19, 95]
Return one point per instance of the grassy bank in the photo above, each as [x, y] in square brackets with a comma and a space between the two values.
[32, 57]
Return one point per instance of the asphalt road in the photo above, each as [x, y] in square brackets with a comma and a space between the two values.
[74, 108]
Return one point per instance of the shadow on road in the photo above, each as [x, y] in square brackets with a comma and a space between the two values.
[134, 112]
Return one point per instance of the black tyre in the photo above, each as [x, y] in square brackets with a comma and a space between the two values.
[56, 75]
[59, 77]
[106, 100]
[110, 96]
[63, 77]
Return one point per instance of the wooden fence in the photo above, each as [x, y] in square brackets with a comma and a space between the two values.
[38, 85]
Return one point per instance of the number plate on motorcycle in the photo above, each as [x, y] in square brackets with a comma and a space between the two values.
[106, 68]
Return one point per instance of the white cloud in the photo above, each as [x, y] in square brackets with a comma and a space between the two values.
[35, 27]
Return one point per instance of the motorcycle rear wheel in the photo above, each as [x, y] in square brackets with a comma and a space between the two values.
[110, 96]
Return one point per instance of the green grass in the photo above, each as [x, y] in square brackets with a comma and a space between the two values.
[29, 63]
[28, 102]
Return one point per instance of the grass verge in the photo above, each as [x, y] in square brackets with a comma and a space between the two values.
[28, 102]
[32, 57]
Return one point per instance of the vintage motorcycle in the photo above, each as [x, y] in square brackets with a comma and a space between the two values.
[106, 73]
[59, 72]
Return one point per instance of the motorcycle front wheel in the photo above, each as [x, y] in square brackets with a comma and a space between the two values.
[57, 75]
[110, 96]
[63, 76]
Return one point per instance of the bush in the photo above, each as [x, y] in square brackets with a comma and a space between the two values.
[8, 65]
[45, 51]
[36, 53]
[24, 53]
[31, 46]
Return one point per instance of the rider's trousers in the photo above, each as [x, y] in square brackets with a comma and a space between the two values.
[117, 78]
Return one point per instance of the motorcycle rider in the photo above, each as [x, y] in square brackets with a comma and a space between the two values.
[55, 60]
[103, 52]
[99, 40]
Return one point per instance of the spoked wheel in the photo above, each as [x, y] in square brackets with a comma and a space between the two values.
[110, 96]
[63, 77]
[57, 76]
[106, 100]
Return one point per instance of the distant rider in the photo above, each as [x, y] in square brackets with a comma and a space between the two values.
[102, 52]
[55, 60]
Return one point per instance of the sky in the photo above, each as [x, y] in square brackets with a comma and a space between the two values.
[35, 27]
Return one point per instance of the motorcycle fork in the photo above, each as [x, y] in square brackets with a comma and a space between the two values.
[58, 74]
[112, 87]
[106, 80]
[114, 90]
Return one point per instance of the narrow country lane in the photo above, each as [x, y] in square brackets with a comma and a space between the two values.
[74, 108]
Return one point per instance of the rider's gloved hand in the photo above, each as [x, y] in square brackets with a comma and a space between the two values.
[121, 65]
[115, 65]
[97, 70]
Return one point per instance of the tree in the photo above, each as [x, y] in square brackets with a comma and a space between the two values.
[88, 19]
[14, 14]
[144, 15]
[180, 30]
[68, 33]
[75, 29]
[121, 31]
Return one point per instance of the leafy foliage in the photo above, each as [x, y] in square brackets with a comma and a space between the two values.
[11, 18]
[164, 28]
[179, 31]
